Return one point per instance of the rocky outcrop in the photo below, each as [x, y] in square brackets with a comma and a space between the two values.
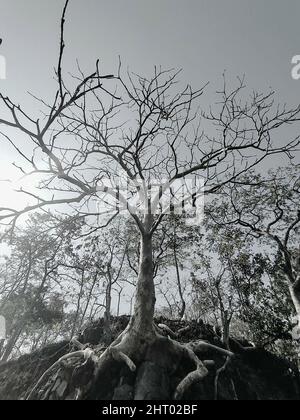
[252, 375]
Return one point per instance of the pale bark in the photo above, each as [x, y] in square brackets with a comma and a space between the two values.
[143, 313]
[13, 340]
[107, 314]
[183, 304]
[295, 295]
[226, 321]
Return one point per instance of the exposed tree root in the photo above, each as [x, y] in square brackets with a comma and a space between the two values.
[183, 330]
[119, 356]
[75, 374]
[65, 363]
[201, 370]
[236, 398]
[171, 333]
[217, 377]
[167, 330]
[203, 346]
[209, 364]
[197, 375]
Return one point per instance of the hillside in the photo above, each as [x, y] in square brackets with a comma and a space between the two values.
[252, 374]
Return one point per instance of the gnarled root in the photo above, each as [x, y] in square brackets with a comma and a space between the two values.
[133, 362]
[164, 328]
[203, 346]
[197, 375]
[217, 377]
[57, 384]
[201, 370]
[119, 356]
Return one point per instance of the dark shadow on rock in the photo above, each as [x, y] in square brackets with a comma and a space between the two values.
[253, 375]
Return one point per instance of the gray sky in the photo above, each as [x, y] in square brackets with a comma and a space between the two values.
[204, 37]
[257, 37]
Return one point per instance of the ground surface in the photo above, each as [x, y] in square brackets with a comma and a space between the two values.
[254, 375]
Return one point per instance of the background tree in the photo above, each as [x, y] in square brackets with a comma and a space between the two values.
[253, 288]
[30, 276]
[268, 208]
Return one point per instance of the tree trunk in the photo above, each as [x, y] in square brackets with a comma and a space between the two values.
[107, 314]
[2, 341]
[226, 320]
[183, 304]
[119, 302]
[75, 323]
[13, 340]
[143, 312]
[295, 294]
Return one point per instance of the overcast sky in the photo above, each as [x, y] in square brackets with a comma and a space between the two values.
[257, 37]
[204, 37]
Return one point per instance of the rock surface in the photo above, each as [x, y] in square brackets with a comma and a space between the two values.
[253, 375]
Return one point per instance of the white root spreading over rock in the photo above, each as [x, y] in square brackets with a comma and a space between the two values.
[124, 350]
[201, 346]
[171, 333]
[81, 354]
[197, 375]
[119, 356]
[218, 374]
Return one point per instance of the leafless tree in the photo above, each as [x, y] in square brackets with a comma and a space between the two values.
[147, 130]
